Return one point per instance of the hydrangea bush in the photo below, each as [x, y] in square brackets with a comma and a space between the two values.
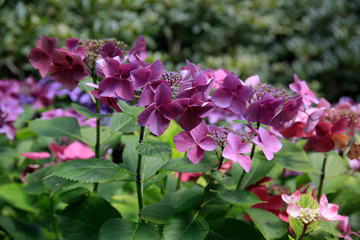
[148, 153]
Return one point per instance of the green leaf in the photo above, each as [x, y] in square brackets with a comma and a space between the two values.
[240, 197]
[184, 199]
[21, 230]
[56, 127]
[293, 157]
[123, 122]
[232, 229]
[87, 112]
[186, 226]
[221, 177]
[84, 218]
[88, 170]
[35, 184]
[260, 167]
[185, 165]
[335, 168]
[154, 149]
[269, 224]
[157, 213]
[15, 195]
[150, 165]
[121, 229]
[348, 201]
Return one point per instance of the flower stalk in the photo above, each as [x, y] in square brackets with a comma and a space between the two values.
[322, 177]
[139, 183]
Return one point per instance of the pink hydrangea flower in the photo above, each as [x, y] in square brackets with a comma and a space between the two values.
[293, 210]
[196, 141]
[268, 143]
[301, 88]
[345, 227]
[234, 151]
[329, 211]
[35, 155]
[293, 198]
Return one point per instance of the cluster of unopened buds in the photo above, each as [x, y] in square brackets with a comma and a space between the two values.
[308, 215]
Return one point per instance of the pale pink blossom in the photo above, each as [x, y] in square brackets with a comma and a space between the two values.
[329, 211]
[293, 198]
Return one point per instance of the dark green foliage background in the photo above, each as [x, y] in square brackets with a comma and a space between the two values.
[319, 40]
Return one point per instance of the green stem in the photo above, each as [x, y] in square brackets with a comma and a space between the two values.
[97, 144]
[207, 188]
[139, 184]
[322, 177]
[53, 219]
[244, 173]
[304, 231]
[178, 181]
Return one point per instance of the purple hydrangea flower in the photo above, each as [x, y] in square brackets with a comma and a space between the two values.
[232, 94]
[67, 69]
[263, 110]
[195, 109]
[158, 115]
[40, 56]
[117, 82]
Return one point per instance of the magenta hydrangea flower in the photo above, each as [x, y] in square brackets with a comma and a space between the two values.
[301, 88]
[195, 109]
[232, 94]
[117, 82]
[67, 69]
[158, 115]
[40, 56]
[345, 227]
[264, 109]
[234, 149]
[268, 143]
[197, 141]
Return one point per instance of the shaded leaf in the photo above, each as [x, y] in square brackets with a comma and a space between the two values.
[269, 224]
[87, 112]
[186, 226]
[240, 197]
[15, 195]
[154, 149]
[84, 218]
[121, 229]
[293, 157]
[157, 213]
[56, 127]
[21, 230]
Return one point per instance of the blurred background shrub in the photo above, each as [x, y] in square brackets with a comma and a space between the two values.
[319, 40]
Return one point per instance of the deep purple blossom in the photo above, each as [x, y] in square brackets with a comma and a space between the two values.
[197, 141]
[199, 84]
[234, 150]
[109, 50]
[268, 143]
[148, 78]
[7, 119]
[138, 51]
[67, 69]
[232, 94]
[195, 109]
[158, 115]
[40, 56]
[264, 109]
[287, 113]
[117, 82]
